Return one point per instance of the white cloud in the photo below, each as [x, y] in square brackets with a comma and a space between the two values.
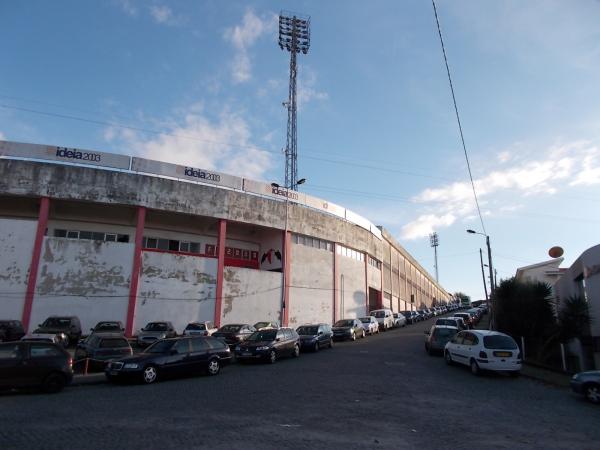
[243, 37]
[193, 139]
[307, 91]
[2, 137]
[128, 7]
[562, 166]
[162, 14]
[504, 156]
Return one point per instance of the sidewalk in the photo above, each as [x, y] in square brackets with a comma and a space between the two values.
[89, 379]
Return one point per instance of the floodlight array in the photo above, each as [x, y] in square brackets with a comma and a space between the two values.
[294, 33]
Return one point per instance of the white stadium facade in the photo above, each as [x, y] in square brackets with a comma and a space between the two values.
[104, 236]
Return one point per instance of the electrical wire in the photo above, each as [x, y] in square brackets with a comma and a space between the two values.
[462, 138]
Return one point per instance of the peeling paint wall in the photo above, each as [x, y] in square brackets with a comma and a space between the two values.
[16, 248]
[88, 279]
[250, 296]
[352, 288]
[311, 285]
[177, 288]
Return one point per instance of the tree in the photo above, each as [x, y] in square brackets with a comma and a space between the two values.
[462, 297]
[524, 309]
[573, 319]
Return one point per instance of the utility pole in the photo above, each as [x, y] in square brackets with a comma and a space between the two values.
[483, 276]
[294, 36]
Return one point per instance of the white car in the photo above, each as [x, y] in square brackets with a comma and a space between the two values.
[484, 350]
[385, 317]
[370, 324]
[399, 320]
[200, 329]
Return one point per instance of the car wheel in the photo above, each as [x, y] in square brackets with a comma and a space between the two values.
[272, 357]
[353, 336]
[297, 350]
[331, 343]
[214, 367]
[150, 375]
[316, 347]
[53, 383]
[363, 334]
[592, 393]
[475, 370]
[448, 358]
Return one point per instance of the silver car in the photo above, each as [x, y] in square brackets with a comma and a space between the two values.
[155, 331]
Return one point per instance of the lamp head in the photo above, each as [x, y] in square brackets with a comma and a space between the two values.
[301, 181]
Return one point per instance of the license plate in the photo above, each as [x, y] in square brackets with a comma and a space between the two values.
[502, 354]
[246, 353]
[114, 372]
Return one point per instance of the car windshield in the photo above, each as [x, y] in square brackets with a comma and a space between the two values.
[266, 335]
[378, 314]
[230, 328]
[365, 319]
[160, 347]
[308, 331]
[445, 322]
[499, 342]
[57, 322]
[343, 323]
[156, 326]
[107, 326]
[196, 326]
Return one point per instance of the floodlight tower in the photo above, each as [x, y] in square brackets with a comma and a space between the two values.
[434, 241]
[294, 36]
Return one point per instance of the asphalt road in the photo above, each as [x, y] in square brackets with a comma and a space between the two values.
[380, 392]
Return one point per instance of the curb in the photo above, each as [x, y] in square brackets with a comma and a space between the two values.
[547, 380]
[86, 380]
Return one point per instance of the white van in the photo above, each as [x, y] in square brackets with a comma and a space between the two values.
[385, 317]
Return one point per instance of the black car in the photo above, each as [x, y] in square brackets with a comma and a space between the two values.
[234, 333]
[101, 347]
[348, 329]
[411, 316]
[70, 326]
[108, 327]
[11, 330]
[26, 364]
[169, 358]
[315, 337]
[269, 345]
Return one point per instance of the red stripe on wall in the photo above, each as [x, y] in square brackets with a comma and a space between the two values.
[135, 270]
[287, 259]
[220, 270]
[336, 276]
[35, 260]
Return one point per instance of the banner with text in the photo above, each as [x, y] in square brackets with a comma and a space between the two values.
[64, 154]
[257, 187]
[185, 172]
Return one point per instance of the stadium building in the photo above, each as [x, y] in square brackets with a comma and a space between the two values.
[112, 237]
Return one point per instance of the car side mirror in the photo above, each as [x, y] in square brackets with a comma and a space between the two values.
[426, 332]
[143, 329]
[277, 339]
[91, 329]
[320, 333]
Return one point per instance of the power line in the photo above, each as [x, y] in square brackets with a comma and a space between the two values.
[462, 138]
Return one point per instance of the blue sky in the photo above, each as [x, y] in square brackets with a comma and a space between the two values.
[377, 131]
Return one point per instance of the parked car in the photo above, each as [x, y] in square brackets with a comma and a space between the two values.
[426, 315]
[385, 317]
[108, 327]
[315, 336]
[348, 329]
[420, 315]
[438, 337]
[411, 316]
[155, 331]
[467, 319]
[269, 345]
[200, 329]
[234, 333]
[101, 347]
[461, 323]
[452, 322]
[266, 325]
[58, 338]
[70, 326]
[27, 364]
[370, 324]
[169, 358]
[484, 350]
[11, 330]
[588, 384]
[399, 320]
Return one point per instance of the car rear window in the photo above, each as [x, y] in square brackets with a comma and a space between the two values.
[444, 332]
[156, 326]
[9, 351]
[230, 328]
[196, 326]
[57, 322]
[114, 343]
[41, 351]
[308, 331]
[499, 342]
[378, 314]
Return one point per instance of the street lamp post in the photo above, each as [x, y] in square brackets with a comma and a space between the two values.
[285, 247]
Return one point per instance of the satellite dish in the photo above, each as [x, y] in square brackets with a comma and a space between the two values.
[555, 252]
